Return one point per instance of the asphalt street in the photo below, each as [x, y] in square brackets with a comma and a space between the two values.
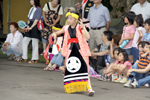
[23, 81]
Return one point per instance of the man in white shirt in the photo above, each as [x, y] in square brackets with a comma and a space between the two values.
[143, 7]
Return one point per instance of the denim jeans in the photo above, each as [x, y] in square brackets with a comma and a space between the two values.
[143, 81]
[135, 53]
[58, 59]
[136, 75]
[11, 50]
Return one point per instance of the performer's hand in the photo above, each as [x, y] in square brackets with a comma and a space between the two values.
[54, 35]
[55, 41]
[81, 23]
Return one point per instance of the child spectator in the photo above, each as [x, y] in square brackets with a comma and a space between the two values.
[58, 59]
[147, 27]
[128, 33]
[124, 63]
[138, 22]
[142, 64]
[105, 76]
[140, 48]
[142, 81]
[102, 50]
[113, 44]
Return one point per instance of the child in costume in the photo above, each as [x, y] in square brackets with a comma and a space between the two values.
[76, 52]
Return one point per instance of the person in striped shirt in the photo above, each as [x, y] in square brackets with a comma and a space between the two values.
[144, 60]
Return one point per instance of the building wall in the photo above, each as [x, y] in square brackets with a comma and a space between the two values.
[19, 10]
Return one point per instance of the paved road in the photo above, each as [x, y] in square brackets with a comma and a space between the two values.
[22, 81]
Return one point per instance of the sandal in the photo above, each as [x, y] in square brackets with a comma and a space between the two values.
[32, 61]
[47, 68]
[16, 59]
[53, 67]
[11, 58]
[22, 60]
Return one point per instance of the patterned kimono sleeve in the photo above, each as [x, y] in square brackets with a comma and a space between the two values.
[64, 50]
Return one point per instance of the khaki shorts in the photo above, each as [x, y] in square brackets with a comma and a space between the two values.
[95, 38]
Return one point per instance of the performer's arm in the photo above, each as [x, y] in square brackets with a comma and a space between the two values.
[58, 33]
[84, 31]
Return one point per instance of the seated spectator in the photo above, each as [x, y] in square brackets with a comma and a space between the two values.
[110, 57]
[58, 59]
[142, 64]
[122, 63]
[144, 81]
[98, 54]
[114, 44]
[147, 28]
[13, 44]
[105, 76]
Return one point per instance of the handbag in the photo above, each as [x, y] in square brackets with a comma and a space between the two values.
[40, 24]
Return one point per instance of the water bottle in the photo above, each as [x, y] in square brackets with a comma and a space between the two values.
[124, 43]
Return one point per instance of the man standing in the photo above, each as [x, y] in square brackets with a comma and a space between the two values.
[142, 8]
[99, 18]
[86, 5]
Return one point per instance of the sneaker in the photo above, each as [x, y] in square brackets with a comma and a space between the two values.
[119, 79]
[134, 84]
[42, 54]
[128, 84]
[108, 78]
[101, 78]
[146, 85]
[124, 80]
[91, 92]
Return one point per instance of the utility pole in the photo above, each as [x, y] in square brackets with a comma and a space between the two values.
[8, 15]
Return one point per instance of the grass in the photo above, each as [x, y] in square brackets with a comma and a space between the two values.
[41, 58]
